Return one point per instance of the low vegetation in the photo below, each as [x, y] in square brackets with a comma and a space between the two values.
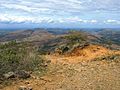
[65, 43]
[15, 57]
[73, 56]
[109, 58]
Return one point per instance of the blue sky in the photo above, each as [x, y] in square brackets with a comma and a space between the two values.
[59, 13]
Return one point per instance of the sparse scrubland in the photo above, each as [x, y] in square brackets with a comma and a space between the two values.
[16, 57]
[74, 60]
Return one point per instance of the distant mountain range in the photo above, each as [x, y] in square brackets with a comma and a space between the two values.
[25, 35]
[103, 36]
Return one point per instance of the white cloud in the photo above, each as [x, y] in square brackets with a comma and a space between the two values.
[22, 19]
[52, 11]
[93, 21]
[77, 19]
[4, 18]
[112, 21]
[25, 8]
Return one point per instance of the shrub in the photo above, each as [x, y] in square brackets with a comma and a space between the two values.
[109, 57]
[64, 43]
[19, 56]
[76, 36]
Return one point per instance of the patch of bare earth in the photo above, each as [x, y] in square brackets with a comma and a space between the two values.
[77, 71]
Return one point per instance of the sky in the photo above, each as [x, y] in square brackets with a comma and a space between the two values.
[60, 13]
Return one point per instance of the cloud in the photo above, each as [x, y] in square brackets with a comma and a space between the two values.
[25, 8]
[22, 19]
[68, 6]
[112, 21]
[59, 11]
[93, 21]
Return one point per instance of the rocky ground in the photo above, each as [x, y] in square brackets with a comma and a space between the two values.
[94, 75]
[96, 68]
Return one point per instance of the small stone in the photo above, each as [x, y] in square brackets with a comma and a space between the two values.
[22, 88]
[9, 75]
[46, 79]
[49, 61]
[27, 82]
[30, 88]
[22, 74]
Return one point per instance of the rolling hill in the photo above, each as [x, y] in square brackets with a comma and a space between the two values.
[70, 60]
[26, 35]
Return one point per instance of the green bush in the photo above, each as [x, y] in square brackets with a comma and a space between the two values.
[76, 36]
[19, 56]
[64, 43]
[110, 57]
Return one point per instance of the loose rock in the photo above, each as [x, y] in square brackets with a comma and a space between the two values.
[9, 75]
[22, 88]
[22, 74]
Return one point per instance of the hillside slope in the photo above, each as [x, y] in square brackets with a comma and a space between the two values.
[97, 70]
[88, 53]
[26, 35]
[71, 61]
